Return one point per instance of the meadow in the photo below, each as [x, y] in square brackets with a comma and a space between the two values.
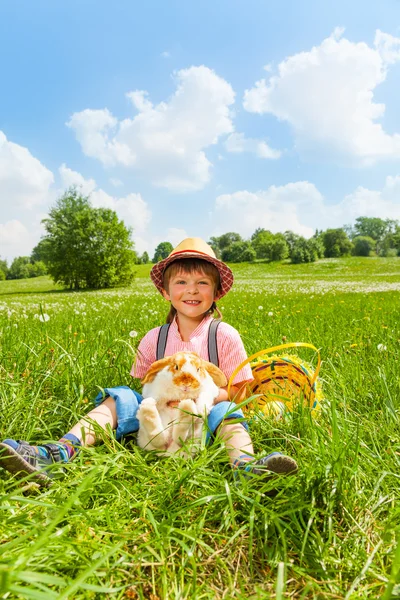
[121, 523]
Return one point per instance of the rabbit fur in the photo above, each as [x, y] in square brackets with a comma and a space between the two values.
[178, 394]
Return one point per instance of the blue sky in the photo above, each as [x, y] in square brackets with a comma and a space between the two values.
[198, 118]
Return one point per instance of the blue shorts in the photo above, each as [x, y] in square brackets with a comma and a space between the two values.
[127, 403]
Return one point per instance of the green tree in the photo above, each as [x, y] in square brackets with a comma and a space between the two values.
[291, 238]
[41, 252]
[19, 268]
[145, 258]
[363, 245]
[163, 250]
[374, 227]
[239, 252]
[37, 269]
[3, 268]
[336, 243]
[269, 245]
[86, 246]
[304, 251]
[390, 245]
[262, 241]
[218, 244]
[2, 275]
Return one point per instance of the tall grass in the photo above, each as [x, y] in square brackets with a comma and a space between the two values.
[120, 523]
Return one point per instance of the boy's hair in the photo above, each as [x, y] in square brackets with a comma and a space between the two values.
[191, 265]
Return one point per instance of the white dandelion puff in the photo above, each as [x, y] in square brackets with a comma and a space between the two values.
[133, 334]
[260, 308]
[381, 347]
[270, 314]
[44, 318]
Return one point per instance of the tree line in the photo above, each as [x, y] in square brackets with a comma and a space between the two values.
[86, 247]
[367, 237]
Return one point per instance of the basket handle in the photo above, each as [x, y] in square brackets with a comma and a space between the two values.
[273, 349]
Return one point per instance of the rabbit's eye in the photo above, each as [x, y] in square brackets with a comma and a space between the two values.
[198, 369]
[176, 367]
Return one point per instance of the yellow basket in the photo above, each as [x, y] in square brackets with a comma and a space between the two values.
[282, 381]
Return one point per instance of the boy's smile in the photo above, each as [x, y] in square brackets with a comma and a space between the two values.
[191, 294]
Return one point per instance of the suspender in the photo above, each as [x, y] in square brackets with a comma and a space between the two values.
[162, 341]
[212, 341]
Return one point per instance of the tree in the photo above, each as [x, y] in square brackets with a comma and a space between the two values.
[336, 243]
[390, 245]
[239, 252]
[86, 246]
[304, 251]
[3, 269]
[269, 245]
[40, 253]
[262, 242]
[218, 244]
[145, 258]
[291, 238]
[374, 227]
[163, 250]
[363, 245]
[19, 268]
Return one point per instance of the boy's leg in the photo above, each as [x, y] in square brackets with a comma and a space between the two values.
[21, 458]
[223, 419]
[105, 414]
[241, 454]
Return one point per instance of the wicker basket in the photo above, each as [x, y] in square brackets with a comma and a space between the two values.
[282, 381]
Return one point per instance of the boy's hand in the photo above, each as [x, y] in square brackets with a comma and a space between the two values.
[237, 392]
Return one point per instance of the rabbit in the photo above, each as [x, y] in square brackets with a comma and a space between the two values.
[178, 394]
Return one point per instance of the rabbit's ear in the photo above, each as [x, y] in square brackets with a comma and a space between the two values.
[217, 375]
[155, 368]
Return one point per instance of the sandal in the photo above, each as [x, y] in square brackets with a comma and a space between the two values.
[23, 460]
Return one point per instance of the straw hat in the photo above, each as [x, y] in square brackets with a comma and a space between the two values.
[193, 248]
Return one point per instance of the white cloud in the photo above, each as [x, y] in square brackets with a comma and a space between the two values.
[132, 209]
[116, 182]
[278, 208]
[165, 54]
[327, 96]
[24, 181]
[72, 178]
[18, 240]
[237, 142]
[166, 142]
[301, 208]
[384, 203]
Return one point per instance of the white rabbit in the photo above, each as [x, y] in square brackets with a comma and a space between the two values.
[178, 394]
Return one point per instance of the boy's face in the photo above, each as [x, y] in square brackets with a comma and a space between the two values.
[191, 294]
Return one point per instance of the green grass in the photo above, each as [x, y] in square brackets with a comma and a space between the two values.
[122, 524]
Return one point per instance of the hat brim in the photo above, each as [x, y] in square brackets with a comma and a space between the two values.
[225, 273]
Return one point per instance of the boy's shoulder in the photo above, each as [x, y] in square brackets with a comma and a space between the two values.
[227, 330]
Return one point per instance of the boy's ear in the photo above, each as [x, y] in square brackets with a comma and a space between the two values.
[165, 294]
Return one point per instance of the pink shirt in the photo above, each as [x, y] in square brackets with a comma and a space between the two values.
[231, 351]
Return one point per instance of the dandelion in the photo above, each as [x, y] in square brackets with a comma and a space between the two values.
[44, 318]
[270, 314]
[260, 308]
[381, 347]
[133, 334]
